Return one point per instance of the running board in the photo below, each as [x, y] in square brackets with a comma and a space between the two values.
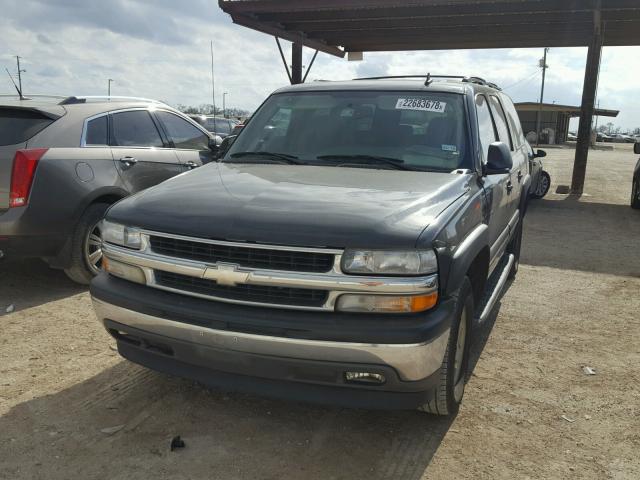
[496, 284]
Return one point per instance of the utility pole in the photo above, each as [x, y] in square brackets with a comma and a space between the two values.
[544, 66]
[20, 72]
[224, 104]
[213, 82]
[109, 86]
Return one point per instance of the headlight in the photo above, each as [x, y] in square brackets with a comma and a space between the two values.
[385, 262]
[120, 235]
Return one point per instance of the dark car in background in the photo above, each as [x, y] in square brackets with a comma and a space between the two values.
[217, 125]
[64, 162]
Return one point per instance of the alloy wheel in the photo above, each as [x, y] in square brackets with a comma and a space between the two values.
[93, 249]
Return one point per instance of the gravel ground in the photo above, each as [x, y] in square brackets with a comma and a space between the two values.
[70, 407]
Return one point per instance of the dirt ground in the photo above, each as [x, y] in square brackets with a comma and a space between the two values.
[529, 411]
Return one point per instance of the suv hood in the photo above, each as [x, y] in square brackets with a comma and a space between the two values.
[295, 205]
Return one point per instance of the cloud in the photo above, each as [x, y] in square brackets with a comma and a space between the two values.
[160, 49]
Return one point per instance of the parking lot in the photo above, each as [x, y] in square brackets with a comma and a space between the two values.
[70, 407]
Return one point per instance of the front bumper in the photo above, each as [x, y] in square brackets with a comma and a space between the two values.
[281, 366]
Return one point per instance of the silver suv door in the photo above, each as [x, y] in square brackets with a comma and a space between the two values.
[191, 142]
[141, 154]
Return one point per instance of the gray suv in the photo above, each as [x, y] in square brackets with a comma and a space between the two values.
[343, 249]
[63, 162]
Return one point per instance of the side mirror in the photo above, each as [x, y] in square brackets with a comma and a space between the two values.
[498, 160]
[540, 154]
[226, 145]
[636, 147]
[214, 143]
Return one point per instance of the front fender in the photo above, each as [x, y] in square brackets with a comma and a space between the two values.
[464, 255]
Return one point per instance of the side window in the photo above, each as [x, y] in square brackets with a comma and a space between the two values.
[222, 126]
[514, 122]
[501, 121]
[183, 134]
[96, 133]
[135, 129]
[486, 128]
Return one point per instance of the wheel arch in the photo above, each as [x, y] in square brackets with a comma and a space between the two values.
[471, 259]
[108, 195]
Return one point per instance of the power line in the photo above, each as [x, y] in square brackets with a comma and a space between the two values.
[535, 73]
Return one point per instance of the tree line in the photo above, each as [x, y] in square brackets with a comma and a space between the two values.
[207, 109]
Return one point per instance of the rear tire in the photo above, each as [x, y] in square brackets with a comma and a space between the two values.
[86, 251]
[635, 194]
[454, 369]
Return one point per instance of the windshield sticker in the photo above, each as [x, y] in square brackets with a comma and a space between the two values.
[420, 104]
[449, 148]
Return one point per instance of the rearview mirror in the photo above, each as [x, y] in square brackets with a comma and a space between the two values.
[498, 160]
[540, 154]
[636, 148]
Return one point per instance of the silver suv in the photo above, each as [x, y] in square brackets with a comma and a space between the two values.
[63, 162]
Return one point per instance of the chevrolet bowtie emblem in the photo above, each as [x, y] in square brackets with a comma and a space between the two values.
[226, 274]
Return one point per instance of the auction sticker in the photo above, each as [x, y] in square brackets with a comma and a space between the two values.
[420, 104]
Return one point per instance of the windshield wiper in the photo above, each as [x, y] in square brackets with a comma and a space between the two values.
[394, 162]
[292, 159]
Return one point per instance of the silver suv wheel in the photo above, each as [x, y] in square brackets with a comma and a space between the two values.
[93, 249]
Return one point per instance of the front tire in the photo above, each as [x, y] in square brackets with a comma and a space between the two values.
[514, 248]
[86, 248]
[454, 369]
[544, 183]
[635, 194]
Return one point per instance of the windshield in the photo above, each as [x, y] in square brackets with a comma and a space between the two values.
[419, 130]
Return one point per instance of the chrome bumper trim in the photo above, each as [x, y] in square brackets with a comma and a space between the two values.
[412, 361]
[334, 282]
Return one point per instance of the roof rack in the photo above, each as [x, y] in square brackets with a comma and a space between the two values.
[102, 98]
[429, 77]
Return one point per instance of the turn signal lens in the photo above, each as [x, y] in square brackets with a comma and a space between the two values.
[386, 303]
[123, 270]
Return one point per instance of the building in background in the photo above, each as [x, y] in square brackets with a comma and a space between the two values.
[554, 120]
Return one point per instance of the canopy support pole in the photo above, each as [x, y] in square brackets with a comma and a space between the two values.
[296, 63]
[590, 87]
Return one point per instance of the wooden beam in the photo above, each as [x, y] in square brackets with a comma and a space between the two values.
[291, 36]
[588, 104]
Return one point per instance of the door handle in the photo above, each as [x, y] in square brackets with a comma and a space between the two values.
[519, 176]
[191, 165]
[129, 161]
[509, 186]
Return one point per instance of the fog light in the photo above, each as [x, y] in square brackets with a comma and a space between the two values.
[364, 377]
[386, 303]
[123, 270]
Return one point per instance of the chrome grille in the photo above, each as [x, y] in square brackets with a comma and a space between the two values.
[248, 293]
[248, 257]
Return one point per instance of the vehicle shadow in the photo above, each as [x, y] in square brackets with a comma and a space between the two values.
[232, 434]
[574, 234]
[30, 283]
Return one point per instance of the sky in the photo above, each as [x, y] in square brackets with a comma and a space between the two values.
[161, 49]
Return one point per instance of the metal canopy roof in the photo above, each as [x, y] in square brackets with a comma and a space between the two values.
[555, 107]
[339, 26]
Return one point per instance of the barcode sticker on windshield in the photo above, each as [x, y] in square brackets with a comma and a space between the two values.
[421, 104]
